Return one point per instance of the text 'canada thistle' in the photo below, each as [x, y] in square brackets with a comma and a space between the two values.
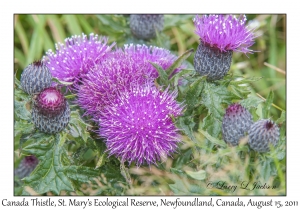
[138, 126]
[220, 35]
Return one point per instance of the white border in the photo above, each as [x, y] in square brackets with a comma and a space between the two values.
[154, 6]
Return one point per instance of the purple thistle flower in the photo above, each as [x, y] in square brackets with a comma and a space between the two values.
[26, 166]
[77, 56]
[225, 33]
[143, 54]
[122, 69]
[219, 36]
[138, 125]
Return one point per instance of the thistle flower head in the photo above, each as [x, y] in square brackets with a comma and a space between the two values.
[262, 134]
[226, 33]
[26, 166]
[138, 125]
[50, 102]
[117, 73]
[145, 26]
[35, 77]
[77, 56]
[102, 85]
[236, 122]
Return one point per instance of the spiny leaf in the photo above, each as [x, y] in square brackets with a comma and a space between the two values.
[251, 102]
[81, 173]
[179, 61]
[212, 125]
[193, 94]
[163, 77]
[282, 118]
[49, 175]
[21, 110]
[268, 104]
[187, 124]
[23, 127]
[213, 97]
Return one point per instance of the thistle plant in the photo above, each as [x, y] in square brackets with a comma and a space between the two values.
[220, 36]
[113, 114]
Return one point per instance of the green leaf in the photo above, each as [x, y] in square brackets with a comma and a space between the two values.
[268, 104]
[187, 124]
[174, 79]
[194, 90]
[50, 174]
[181, 187]
[163, 77]
[177, 171]
[23, 127]
[265, 169]
[212, 125]
[213, 97]
[78, 127]
[81, 173]
[198, 175]
[179, 61]
[251, 102]
[101, 160]
[212, 139]
[282, 118]
[54, 79]
[21, 110]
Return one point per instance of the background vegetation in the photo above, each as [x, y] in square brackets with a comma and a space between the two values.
[191, 170]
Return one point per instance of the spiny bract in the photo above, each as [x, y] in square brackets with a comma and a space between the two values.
[50, 102]
[35, 77]
[262, 134]
[138, 126]
[236, 122]
[51, 112]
